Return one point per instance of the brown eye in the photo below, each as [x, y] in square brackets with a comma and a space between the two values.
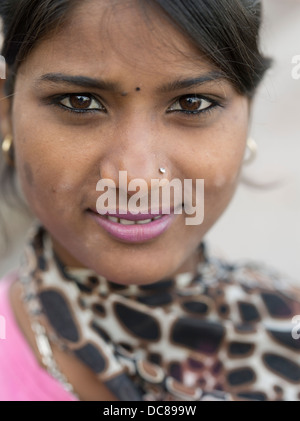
[191, 104]
[81, 103]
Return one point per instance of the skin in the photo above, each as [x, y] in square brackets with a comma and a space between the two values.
[60, 156]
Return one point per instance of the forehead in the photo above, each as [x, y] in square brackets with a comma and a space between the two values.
[102, 34]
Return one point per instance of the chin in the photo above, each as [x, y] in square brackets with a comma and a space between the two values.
[137, 277]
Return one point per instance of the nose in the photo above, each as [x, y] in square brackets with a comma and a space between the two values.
[135, 147]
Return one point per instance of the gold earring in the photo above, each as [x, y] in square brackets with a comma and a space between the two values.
[252, 151]
[7, 150]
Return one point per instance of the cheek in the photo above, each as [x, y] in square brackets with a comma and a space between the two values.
[44, 188]
[28, 174]
[219, 161]
[224, 159]
[49, 184]
[222, 175]
[225, 168]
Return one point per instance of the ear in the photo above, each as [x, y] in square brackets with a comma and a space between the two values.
[5, 111]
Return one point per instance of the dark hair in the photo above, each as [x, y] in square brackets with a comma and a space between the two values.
[225, 31]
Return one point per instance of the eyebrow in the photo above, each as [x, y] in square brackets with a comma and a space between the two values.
[80, 81]
[189, 83]
[103, 85]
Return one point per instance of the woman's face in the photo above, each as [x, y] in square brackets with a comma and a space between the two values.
[113, 91]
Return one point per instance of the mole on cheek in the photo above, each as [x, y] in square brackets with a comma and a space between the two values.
[138, 89]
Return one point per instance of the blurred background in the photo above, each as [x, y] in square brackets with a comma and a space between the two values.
[262, 222]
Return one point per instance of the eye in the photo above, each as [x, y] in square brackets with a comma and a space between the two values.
[81, 103]
[191, 104]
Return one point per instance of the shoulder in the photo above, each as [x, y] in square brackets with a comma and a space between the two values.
[18, 366]
[259, 310]
[252, 291]
[10, 342]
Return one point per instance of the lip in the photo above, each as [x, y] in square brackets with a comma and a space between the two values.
[134, 233]
[138, 217]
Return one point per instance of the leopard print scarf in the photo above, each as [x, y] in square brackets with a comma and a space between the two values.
[219, 335]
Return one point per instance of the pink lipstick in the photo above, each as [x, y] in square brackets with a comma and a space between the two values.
[134, 228]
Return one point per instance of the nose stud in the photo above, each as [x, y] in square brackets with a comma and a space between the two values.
[162, 170]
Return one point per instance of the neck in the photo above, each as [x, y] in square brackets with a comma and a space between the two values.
[189, 266]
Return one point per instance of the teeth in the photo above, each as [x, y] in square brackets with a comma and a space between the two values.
[144, 221]
[112, 218]
[127, 222]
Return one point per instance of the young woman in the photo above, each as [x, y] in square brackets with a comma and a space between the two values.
[129, 305]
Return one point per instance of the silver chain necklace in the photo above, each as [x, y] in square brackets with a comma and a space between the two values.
[34, 311]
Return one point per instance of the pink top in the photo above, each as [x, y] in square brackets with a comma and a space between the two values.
[21, 377]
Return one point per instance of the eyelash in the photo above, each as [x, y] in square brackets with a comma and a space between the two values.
[191, 113]
[58, 99]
